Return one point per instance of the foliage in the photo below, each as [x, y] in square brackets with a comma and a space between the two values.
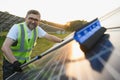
[69, 26]
[75, 25]
[2, 38]
[53, 24]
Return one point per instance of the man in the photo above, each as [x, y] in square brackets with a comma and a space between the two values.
[20, 40]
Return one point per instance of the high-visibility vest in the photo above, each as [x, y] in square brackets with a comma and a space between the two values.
[23, 49]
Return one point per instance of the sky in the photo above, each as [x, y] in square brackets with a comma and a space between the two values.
[61, 11]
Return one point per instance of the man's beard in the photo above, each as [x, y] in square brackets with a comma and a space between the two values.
[32, 26]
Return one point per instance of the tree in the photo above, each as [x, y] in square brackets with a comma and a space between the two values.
[75, 25]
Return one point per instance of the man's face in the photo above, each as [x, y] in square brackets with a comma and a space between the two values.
[32, 21]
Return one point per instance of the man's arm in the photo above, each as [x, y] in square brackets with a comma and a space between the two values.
[7, 50]
[53, 38]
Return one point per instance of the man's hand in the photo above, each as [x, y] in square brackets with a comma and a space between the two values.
[16, 66]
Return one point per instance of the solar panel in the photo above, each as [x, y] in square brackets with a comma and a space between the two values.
[69, 62]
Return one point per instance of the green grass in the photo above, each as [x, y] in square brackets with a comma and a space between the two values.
[43, 44]
[1, 42]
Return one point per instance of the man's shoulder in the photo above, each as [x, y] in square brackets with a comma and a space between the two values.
[41, 32]
[15, 26]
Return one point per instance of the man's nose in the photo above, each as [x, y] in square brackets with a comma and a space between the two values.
[33, 21]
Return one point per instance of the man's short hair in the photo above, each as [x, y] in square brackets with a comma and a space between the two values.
[33, 12]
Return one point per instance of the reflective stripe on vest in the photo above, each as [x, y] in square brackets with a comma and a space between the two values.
[22, 50]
